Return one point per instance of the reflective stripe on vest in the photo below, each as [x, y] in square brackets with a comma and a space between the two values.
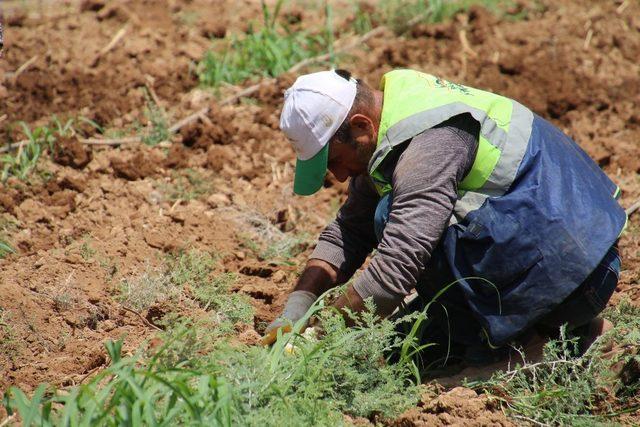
[415, 102]
[505, 171]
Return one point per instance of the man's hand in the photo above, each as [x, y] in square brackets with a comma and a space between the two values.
[317, 277]
[351, 300]
[297, 306]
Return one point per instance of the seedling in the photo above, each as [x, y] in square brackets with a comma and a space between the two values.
[9, 344]
[144, 290]
[268, 51]
[187, 184]
[157, 129]
[86, 251]
[26, 158]
[193, 378]
[5, 248]
[400, 15]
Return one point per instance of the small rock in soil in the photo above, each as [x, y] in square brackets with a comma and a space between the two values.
[218, 156]
[218, 200]
[279, 276]
[209, 28]
[155, 197]
[71, 152]
[17, 18]
[91, 5]
[71, 183]
[7, 203]
[177, 157]
[201, 135]
[140, 166]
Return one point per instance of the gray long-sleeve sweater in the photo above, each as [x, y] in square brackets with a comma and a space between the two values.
[424, 174]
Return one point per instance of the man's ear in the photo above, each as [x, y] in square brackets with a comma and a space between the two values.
[360, 122]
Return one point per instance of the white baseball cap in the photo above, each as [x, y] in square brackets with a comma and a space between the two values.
[314, 108]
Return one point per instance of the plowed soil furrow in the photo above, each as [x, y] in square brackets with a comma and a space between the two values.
[102, 215]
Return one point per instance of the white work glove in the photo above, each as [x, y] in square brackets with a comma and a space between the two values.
[297, 306]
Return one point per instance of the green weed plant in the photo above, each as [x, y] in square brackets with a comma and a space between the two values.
[7, 224]
[210, 291]
[564, 389]
[5, 248]
[400, 15]
[24, 160]
[9, 343]
[157, 129]
[198, 380]
[266, 51]
[188, 277]
[187, 184]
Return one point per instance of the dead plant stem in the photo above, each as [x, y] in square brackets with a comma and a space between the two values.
[153, 94]
[21, 69]
[634, 207]
[145, 321]
[530, 420]
[7, 420]
[114, 41]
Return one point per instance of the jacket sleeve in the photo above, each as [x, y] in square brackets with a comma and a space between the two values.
[425, 183]
[347, 240]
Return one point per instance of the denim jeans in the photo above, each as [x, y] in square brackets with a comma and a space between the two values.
[457, 333]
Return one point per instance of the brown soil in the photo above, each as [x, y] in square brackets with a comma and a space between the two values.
[100, 216]
[70, 152]
[459, 406]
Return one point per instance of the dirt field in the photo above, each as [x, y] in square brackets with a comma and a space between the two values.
[99, 215]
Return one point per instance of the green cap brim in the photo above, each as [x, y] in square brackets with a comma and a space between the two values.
[310, 173]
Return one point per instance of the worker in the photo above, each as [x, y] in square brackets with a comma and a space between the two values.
[467, 196]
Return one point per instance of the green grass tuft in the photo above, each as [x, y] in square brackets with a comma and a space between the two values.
[211, 292]
[193, 378]
[5, 248]
[189, 277]
[7, 224]
[564, 389]
[157, 129]
[186, 184]
[9, 342]
[148, 288]
[266, 51]
[25, 159]
[399, 15]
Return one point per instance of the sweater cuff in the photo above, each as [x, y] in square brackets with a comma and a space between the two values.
[332, 254]
[385, 301]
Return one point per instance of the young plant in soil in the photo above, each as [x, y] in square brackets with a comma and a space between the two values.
[189, 278]
[400, 15]
[193, 377]
[5, 248]
[157, 129]
[9, 344]
[564, 389]
[7, 225]
[25, 160]
[268, 51]
[186, 184]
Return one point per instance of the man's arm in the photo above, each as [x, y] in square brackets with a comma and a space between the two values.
[347, 241]
[342, 248]
[425, 182]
